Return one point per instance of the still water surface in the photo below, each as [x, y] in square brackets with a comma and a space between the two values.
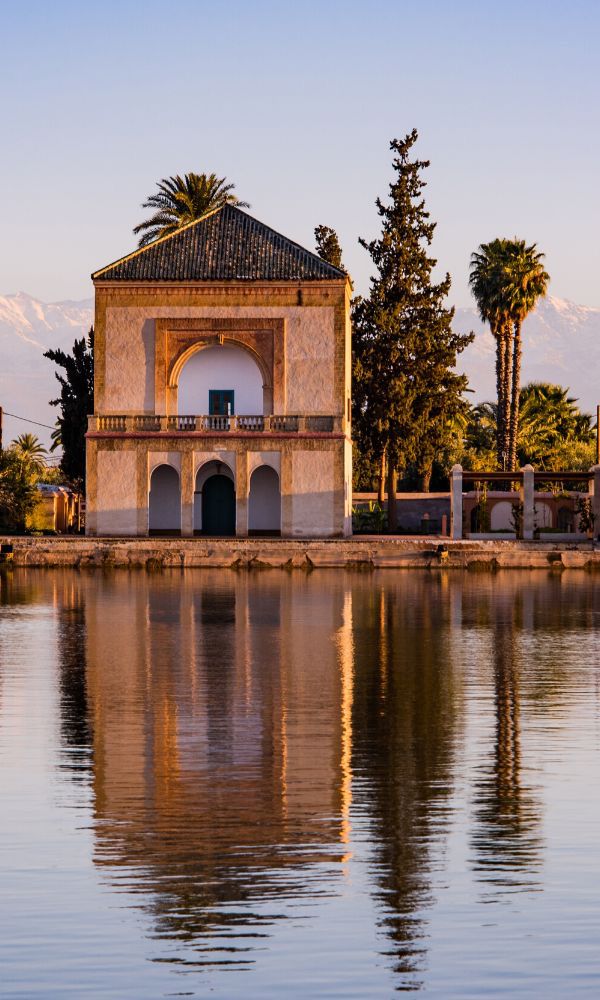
[267, 785]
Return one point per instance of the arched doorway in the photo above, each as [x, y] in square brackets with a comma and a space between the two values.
[214, 500]
[218, 506]
[164, 502]
[264, 502]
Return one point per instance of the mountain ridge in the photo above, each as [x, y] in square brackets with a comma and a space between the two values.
[561, 343]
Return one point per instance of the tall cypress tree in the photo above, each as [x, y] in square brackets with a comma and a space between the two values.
[405, 389]
[76, 402]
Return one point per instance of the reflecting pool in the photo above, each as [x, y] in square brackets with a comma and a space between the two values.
[275, 784]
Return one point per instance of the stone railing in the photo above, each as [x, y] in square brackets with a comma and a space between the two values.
[254, 423]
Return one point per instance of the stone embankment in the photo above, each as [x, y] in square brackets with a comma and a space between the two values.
[362, 553]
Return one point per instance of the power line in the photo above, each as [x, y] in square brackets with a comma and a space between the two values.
[28, 421]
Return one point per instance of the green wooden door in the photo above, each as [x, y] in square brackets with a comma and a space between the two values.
[221, 402]
[218, 507]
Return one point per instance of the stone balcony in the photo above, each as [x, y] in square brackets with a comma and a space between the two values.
[149, 423]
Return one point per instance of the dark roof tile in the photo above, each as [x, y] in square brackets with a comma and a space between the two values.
[224, 245]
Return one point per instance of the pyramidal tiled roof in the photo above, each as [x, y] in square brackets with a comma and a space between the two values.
[224, 245]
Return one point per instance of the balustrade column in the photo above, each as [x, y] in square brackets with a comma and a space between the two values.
[528, 499]
[456, 503]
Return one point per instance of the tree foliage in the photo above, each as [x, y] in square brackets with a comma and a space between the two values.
[181, 200]
[76, 402]
[407, 394]
[18, 492]
[328, 246]
[553, 433]
[30, 449]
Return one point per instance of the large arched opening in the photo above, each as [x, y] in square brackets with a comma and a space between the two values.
[264, 502]
[221, 380]
[164, 502]
[214, 500]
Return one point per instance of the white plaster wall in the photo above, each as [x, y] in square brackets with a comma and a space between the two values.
[501, 516]
[227, 458]
[156, 458]
[264, 501]
[257, 458]
[543, 515]
[220, 367]
[164, 502]
[312, 493]
[310, 345]
[116, 498]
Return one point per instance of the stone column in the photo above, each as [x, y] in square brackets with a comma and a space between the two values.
[456, 503]
[528, 498]
[142, 488]
[595, 498]
[287, 487]
[187, 494]
[241, 494]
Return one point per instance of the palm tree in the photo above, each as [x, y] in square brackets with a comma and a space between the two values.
[29, 449]
[526, 282]
[507, 278]
[487, 281]
[181, 200]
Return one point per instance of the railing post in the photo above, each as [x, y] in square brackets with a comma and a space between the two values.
[595, 498]
[129, 424]
[301, 425]
[92, 422]
[456, 503]
[528, 497]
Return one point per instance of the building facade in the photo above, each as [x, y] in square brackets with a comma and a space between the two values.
[222, 388]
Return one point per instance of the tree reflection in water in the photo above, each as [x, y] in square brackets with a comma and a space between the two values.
[405, 731]
[506, 839]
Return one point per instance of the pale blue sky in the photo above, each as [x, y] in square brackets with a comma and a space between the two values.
[297, 103]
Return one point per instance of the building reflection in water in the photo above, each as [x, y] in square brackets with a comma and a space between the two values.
[248, 738]
[222, 761]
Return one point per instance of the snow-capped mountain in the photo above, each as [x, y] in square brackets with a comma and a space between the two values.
[29, 327]
[561, 344]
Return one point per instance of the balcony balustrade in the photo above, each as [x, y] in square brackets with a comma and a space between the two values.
[252, 423]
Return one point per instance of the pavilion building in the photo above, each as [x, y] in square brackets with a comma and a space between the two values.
[222, 387]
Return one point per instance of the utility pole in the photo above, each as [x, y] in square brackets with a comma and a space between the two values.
[1, 427]
[597, 433]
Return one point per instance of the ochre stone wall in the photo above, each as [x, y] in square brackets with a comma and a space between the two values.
[299, 335]
[310, 364]
[312, 474]
[116, 495]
